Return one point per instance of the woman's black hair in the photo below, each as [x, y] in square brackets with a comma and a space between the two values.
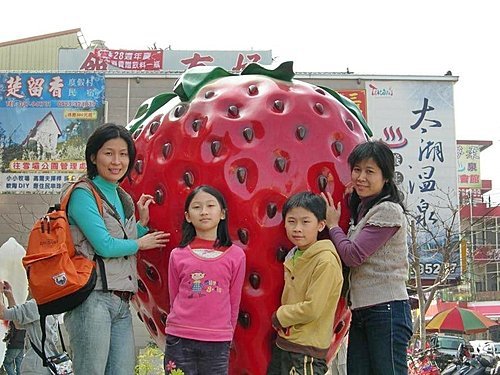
[384, 158]
[99, 137]
[310, 201]
[188, 230]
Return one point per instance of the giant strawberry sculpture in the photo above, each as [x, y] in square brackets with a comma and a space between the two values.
[258, 137]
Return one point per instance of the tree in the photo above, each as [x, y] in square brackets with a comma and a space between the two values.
[434, 250]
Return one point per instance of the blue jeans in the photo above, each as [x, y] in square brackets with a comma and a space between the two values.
[12, 361]
[195, 357]
[101, 335]
[378, 339]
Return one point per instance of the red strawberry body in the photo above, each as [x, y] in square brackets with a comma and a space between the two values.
[258, 137]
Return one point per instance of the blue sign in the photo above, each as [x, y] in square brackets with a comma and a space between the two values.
[51, 90]
[45, 121]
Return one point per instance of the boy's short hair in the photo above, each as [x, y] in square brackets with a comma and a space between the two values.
[310, 201]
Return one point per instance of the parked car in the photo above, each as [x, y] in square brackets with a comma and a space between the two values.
[478, 345]
[492, 348]
[446, 348]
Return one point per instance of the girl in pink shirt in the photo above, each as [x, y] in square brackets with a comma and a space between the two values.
[205, 279]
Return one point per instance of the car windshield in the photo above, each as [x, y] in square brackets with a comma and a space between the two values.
[449, 343]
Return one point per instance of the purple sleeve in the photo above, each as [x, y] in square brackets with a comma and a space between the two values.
[354, 252]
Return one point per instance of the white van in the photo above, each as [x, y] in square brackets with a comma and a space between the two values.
[492, 348]
[478, 345]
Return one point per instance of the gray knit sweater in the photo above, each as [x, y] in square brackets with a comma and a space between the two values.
[382, 277]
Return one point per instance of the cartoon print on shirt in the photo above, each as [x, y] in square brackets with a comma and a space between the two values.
[198, 286]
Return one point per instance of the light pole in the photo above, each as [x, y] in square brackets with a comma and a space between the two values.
[471, 250]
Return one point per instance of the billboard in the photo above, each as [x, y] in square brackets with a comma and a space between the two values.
[45, 120]
[149, 61]
[416, 119]
[469, 171]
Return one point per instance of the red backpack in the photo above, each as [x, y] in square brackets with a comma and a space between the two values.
[59, 279]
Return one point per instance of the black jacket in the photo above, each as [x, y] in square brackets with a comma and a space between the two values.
[15, 337]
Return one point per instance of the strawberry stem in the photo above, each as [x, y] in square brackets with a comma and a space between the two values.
[192, 80]
[147, 108]
[283, 72]
[351, 106]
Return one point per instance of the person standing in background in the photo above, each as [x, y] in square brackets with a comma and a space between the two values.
[15, 350]
[26, 316]
[339, 362]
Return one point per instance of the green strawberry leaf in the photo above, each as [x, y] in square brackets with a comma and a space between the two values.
[147, 108]
[351, 106]
[193, 79]
[283, 72]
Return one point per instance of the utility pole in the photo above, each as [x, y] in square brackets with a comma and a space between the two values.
[471, 250]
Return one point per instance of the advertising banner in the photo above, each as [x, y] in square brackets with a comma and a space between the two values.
[45, 120]
[469, 172]
[416, 119]
[132, 61]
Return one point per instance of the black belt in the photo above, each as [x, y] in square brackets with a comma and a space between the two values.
[124, 295]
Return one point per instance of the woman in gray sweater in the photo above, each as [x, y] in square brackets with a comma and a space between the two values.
[376, 252]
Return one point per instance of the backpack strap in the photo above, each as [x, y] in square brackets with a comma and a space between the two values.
[99, 197]
[41, 353]
[98, 191]
[116, 215]
[90, 184]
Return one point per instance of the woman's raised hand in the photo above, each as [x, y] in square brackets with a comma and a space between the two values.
[143, 208]
[332, 211]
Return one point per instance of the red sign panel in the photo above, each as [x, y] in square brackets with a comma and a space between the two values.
[358, 97]
[101, 59]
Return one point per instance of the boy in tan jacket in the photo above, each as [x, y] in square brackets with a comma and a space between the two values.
[313, 282]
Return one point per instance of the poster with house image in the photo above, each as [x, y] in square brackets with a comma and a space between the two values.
[45, 121]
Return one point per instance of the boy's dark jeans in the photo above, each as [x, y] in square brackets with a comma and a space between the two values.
[196, 357]
[285, 363]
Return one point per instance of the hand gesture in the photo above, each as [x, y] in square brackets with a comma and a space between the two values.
[143, 208]
[6, 287]
[2, 308]
[153, 240]
[333, 211]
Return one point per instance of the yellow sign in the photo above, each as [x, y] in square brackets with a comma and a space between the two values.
[75, 166]
[81, 115]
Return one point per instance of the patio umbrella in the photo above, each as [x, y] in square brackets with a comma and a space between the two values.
[459, 320]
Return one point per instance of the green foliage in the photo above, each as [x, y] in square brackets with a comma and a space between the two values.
[150, 361]
[72, 149]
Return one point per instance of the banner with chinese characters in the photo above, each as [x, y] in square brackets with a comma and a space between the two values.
[102, 59]
[416, 119]
[158, 60]
[469, 176]
[45, 121]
